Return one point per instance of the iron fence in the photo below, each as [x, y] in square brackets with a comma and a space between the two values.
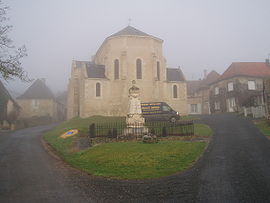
[160, 129]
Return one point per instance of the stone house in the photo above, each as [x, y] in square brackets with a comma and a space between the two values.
[39, 103]
[198, 94]
[9, 109]
[100, 86]
[240, 89]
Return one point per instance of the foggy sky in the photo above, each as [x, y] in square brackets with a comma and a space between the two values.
[198, 35]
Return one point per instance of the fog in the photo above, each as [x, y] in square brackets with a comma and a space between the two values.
[197, 35]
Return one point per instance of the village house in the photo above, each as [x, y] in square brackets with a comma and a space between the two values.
[100, 86]
[240, 89]
[39, 105]
[9, 109]
[198, 93]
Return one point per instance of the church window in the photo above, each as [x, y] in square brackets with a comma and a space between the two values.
[175, 91]
[98, 89]
[139, 68]
[116, 69]
[158, 70]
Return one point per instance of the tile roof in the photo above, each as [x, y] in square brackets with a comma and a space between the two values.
[38, 90]
[253, 69]
[175, 74]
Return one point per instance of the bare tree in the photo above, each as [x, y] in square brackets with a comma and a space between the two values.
[10, 56]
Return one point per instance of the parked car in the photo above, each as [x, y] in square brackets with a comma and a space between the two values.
[160, 111]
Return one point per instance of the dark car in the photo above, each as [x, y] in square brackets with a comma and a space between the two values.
[159, 111]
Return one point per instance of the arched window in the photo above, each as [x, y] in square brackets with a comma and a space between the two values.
[139, 68]
[98, 89]
[158, 71]
[116, 69]
[174, 91]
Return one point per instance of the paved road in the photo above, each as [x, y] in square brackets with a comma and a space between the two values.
[235, 168]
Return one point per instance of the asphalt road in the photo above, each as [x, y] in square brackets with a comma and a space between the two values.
[235, 168]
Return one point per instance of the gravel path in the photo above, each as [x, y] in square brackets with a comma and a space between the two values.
[235, 168]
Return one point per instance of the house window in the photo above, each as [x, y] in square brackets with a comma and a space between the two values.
[217, 106]
[251, 85]
[216, 90]
[116, 69]
[158, 71]
[232, 102]
[174, 91]
[230, 86]
[194, 108]
[98, 89]
[35, 103]
[139, 68]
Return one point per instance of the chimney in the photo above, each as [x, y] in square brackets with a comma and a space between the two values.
[204, 73]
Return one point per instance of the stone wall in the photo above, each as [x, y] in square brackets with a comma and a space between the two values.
[37, 107]
[243, 96]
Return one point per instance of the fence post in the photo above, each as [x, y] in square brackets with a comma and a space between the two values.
[92, 130]
[164, 131]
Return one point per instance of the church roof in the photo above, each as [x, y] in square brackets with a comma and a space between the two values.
[38, 90]
[132, 31]
[129, 30]
[175, 74]
[95, 71]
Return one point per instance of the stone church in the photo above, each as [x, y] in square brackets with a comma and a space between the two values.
[100, 86]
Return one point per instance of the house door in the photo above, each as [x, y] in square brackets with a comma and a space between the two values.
[231, 104]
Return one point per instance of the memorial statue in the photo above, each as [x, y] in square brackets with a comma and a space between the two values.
[134, 116]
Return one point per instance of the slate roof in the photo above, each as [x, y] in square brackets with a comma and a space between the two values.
[4, 97]
[38, 90]
[93, 70]
[129, 30]
[253, 69]
[175, 74]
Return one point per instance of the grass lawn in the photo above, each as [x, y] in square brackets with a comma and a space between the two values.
[263, 126]
[202, 130]
[127, 160]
